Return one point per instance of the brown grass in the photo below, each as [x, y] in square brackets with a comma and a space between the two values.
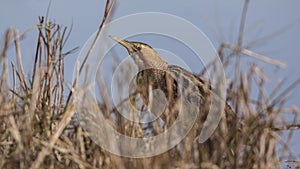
[39, 129]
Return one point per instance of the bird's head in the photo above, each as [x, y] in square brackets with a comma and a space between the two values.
[144, 56]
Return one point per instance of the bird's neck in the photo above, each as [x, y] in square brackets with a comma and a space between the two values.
[144, 62]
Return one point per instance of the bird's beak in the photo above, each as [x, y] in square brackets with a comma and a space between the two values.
[124, 43]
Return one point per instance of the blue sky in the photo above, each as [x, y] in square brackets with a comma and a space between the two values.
[218, 19]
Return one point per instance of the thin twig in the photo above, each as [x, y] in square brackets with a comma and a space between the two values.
[254, 55]
[238, 76]
[108, 8]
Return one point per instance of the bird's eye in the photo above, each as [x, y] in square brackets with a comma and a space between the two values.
[138, 47]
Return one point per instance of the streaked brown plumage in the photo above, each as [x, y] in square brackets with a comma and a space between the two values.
[156, 73]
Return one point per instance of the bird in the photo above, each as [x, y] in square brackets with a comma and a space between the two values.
[172, 80]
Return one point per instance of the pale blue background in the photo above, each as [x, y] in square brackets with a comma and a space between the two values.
[217, 18]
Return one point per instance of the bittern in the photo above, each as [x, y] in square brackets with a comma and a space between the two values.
[155, 73]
